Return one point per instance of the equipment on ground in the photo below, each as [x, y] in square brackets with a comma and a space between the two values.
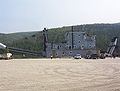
[112, 47]
[17, 50]
[78, 56]
[110, 50]
[6, 56]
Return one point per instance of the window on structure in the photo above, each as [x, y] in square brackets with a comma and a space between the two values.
[67, 34]
[69, 47]
[93, 38]
[58, 47]
[79, 41]
[82, 46]
[70, 51]
[74, 46]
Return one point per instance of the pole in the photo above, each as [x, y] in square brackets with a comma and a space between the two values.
[72, 38]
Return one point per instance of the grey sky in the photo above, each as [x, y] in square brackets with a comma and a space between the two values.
[32, 15]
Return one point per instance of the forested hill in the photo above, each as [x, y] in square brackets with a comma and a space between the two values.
[9, 38]
[104, 33]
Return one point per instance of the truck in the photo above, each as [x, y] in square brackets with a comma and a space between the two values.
[78, 56]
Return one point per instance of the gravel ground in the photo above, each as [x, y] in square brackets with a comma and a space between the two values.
[60, 75]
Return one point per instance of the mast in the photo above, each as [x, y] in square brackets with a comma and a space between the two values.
[72, 38]
[45, 36]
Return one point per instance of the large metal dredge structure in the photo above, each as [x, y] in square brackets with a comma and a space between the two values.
[76, 43]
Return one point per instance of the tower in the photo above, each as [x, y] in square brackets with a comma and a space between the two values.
[45, 39]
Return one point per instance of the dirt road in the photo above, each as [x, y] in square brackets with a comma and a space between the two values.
[60, 75]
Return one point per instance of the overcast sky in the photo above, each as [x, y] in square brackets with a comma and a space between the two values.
[34, 15]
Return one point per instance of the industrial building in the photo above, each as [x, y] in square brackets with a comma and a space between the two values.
[76, 43]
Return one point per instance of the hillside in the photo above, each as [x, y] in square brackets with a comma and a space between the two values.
[9, 38]
[34, 41]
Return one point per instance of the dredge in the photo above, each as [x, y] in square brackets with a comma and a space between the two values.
[77, 43]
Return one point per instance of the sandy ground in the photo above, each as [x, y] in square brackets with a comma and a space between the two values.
[60, 75]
